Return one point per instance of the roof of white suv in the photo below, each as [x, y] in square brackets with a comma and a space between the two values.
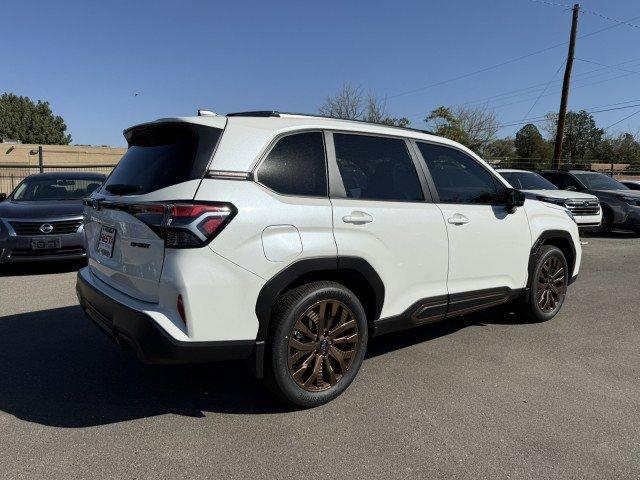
[247, 137]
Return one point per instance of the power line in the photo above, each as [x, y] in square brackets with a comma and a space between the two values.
[620, 121]
[508, 104]
[518, 91]
[611, 19]
[475, 72]
[607, 66]
[590, 12]
[501, 64]
[543, 91]
[553, 4]
[591, 111]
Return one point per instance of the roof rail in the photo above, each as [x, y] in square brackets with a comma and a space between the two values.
[256, 113]
[275, 113]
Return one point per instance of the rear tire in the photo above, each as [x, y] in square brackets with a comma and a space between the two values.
[548, 285]
[317, 342]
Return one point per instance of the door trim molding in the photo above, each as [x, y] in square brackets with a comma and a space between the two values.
[433, 309]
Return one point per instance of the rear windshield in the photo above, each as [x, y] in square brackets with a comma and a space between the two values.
[162, 155]
[528, 181]
[61, 188]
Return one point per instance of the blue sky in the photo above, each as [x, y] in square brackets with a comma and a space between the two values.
[89, 58]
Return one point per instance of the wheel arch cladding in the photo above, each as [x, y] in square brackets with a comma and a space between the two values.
[354, 273]
[557, 238]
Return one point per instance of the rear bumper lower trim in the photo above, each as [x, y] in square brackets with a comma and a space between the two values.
[137, 331]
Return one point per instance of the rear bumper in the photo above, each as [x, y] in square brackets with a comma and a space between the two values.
[135, 330]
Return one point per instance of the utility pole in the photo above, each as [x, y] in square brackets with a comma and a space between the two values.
[557, 151]
[40, 160]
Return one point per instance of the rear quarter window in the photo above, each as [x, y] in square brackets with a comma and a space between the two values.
[296, 165]
[162, 155]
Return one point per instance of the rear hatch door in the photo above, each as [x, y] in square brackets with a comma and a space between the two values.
[165, 162]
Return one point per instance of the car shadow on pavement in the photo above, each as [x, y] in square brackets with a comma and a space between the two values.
[58, 369]
[616, 234]
[40, 268]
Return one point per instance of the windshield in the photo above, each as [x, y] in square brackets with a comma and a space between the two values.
[528, 181]
[599, 181]
[45, 189]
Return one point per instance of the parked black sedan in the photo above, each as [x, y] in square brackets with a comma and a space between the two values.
[42, 218]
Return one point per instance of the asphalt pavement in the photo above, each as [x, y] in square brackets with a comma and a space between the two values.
[483, 396]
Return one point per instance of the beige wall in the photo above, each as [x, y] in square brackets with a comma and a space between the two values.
[73, 157]
[60, 154]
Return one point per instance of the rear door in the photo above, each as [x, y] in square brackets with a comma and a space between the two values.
[488, 246]
[382, 213]
[164, 162]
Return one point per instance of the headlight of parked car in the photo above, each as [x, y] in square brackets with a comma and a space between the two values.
[556, 201]
[629, 200]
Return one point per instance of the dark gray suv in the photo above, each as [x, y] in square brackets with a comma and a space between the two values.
[620, 205]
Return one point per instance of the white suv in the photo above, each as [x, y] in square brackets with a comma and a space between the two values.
[584, 207]
[289, 240]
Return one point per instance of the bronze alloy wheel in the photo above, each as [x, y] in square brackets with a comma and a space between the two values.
[322, 345]
[551, 284]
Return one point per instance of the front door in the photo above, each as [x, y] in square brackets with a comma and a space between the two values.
[488, 247]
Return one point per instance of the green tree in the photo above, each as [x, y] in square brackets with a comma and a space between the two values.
[529, 142]
[31, 122]
[621, 149]
[501, 148]
[582, 136]
[473, 127]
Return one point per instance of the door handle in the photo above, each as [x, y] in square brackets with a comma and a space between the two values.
[458, 219]
[357, 218]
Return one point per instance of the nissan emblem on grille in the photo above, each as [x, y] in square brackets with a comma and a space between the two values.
[46, 228]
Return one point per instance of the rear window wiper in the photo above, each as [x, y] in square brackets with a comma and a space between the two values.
[122, 188]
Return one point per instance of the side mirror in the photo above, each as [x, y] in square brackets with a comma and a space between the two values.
[3, 197]
[514, 199]
[570, 188]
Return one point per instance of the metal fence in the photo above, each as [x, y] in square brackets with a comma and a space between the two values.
[12, 174]
[616, 170]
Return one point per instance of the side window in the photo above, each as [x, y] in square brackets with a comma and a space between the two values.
[296, 166]
[376, 168]
[459, 178]
[552, 177]
[567, 181]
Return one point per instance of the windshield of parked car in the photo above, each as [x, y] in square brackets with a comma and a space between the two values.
[528, 181]
[47, 189]
[599, 181]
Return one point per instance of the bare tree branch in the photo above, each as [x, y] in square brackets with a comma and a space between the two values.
[346, 104]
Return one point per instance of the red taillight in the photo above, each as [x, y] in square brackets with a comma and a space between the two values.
[185, 225]
[211, 225]
[180, 308]
[188, 210]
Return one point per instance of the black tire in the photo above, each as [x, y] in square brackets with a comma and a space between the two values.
[606, 226]
[300, 304]
[546, 296]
